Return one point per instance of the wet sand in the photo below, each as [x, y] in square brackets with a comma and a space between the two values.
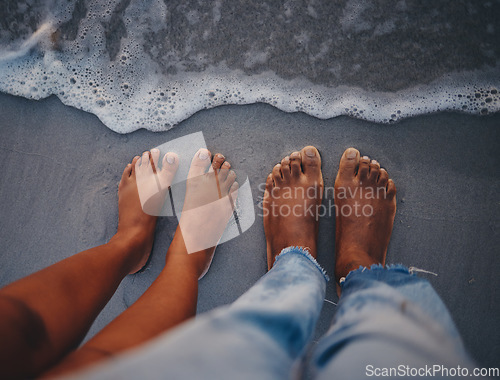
[62, 167]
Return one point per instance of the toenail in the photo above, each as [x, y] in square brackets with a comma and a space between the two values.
[374, 162]
[366, 158]
[154, 150]
[203, 155]
[170, 158]
[351, 153]
[310, 152]
[295, 154]
[226, 164]
[286, 160]
[220, 156]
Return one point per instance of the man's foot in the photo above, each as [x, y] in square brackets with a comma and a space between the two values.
[365, 200]
[292, 198]
[135, 226]
[211, 191]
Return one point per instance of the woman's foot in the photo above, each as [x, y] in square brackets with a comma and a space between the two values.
[292, 198]
[153, 182]
[365, 200]
[134, 225]
[211, 191]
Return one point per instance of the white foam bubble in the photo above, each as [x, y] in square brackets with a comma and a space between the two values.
[127, 89]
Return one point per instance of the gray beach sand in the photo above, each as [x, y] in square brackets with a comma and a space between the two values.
[61, 168]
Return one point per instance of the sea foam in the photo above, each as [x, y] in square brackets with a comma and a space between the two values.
[120, 61]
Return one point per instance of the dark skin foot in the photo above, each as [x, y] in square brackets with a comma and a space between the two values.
[365, 200]
[293, 192]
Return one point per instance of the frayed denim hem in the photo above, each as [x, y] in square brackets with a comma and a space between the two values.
[304, 251]
[377, 267]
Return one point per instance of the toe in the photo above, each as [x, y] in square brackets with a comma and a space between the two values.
[170, 161]
[311, 160]
[126, 172]
[169, 167]
[199, 163]
[269, 185]
[217, 162]
[374, 171]
[295, 164]
[145, 159]
[135, 163]
[391, 189]
[364, 168]
[383, 178]
[348, 164]
[285, 168]
[230, 180]
[233, 191]
[277, 175]
[155, 155]
[223, 172]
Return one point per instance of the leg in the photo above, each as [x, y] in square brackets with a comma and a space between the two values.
[261, 334]
[172, 297]
[36, 330]
[385, 317]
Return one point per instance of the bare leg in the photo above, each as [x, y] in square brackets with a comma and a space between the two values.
[169, 301]
[366, 205]
[47, 314]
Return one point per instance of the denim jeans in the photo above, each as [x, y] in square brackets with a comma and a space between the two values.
[386, 317]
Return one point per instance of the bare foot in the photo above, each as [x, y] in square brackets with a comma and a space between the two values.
[294, 191]
[211, 191]
[153, 182]
[134, 225]
[365, 200]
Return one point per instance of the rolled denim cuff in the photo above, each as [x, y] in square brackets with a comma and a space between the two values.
[303, 251]
[374, 268]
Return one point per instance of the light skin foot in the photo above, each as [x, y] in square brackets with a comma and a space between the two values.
[292, 196]
[172, 297]
[365, 200]
[133, 223]
[152, 181]
[211, 190]
[38, 332]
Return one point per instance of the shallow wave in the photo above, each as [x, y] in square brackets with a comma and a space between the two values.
[152, 64]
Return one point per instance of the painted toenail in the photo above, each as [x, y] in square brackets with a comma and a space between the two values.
[203, 155]
[310, 152]
[170, 159]
[351, 153]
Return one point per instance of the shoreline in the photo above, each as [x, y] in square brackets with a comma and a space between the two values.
[59, 196]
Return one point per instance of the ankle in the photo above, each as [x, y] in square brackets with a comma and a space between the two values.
[349, 260]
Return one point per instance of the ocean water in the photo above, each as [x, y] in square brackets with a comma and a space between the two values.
[151, 63]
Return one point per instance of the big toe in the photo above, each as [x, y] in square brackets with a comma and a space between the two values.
[348, 164]
[169, 167]
[311, 160]
[199, 163]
